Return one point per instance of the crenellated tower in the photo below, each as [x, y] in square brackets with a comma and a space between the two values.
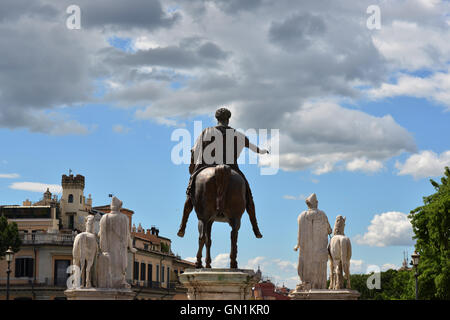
[74, 206]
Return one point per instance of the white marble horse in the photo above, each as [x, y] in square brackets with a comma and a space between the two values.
[340, 252]
[84, 252]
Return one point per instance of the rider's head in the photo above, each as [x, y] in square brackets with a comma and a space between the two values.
[223, 115]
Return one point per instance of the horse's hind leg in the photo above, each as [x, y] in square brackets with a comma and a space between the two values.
[331, 286]
[89, 263]
[235, 225]
[347, 274]
[208, 244]
[201, 243]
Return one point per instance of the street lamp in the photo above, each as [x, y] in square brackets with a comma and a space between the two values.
[9, 257]
[415, 262]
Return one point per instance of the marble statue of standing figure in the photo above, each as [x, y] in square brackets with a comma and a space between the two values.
[115, 239]
[312, 243]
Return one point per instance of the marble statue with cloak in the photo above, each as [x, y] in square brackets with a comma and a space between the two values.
[312, 243]
[115, 239]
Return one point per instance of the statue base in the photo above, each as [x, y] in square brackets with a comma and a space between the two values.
[324, 294]
[99, 294]
[218, 284]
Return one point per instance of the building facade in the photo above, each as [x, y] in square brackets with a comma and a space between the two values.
[48, 228]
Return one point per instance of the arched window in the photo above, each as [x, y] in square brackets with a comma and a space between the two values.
[70, 198]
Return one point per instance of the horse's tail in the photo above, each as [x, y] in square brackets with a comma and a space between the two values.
[222, 173]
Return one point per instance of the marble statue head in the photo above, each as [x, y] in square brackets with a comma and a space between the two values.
[339, 225]
[311, 201]
[90, 218]
[116, 204]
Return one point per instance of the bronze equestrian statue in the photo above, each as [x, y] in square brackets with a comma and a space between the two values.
[217, 188]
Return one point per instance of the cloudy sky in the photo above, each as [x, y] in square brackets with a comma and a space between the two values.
[363, 112]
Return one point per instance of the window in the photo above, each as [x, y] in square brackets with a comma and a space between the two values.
[81, 199]
[145, 246]
[157, 273]
[24, 267]
[71, 221]
[142, 271]
[70, 200]
[136, 271]
[60, 272]
[149, 273]
[162, 274]
[168, 274]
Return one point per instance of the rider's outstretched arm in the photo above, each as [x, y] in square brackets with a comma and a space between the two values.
[254, 148]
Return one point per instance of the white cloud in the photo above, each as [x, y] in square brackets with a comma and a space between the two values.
[299, 197]
[413, 45]
[168, 122]
[118, 128]
[435, 87]
[287, 266]
[313, 139]
[191, 259]
[356, 266]
[9, 175]
[387, 229]
[424, 164]
[222, 260]
[36, 187]
[362, 164]
[388, 266]
[255, 262]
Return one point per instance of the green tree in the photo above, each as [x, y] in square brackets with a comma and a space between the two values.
[9, 236]
[395, 285]
[431, 226]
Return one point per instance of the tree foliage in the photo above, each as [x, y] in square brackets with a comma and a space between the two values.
[431, 226]
[9, 236]
[395, 285]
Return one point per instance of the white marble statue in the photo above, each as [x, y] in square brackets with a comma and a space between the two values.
[84, 251]
[312, 243]
[340, 250]
[115, 239]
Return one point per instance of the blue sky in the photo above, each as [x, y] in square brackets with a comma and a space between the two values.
[364, 125]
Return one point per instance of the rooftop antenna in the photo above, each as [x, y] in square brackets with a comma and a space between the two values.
[70, 171]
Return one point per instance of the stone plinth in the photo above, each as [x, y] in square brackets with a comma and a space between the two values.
[219, 284]
[324, 294]
[99, 294]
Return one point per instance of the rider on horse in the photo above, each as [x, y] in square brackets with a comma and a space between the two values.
[227, 145]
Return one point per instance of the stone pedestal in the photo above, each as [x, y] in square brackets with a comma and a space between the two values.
[324, 294]
[219, 284]
[99, 294]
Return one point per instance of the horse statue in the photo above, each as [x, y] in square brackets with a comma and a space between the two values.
[340, 252]
[84, 252]
[220, 195]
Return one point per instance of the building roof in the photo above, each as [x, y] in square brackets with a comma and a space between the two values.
[147, 237]
[107, 209]
[267, 291]
[26, 212]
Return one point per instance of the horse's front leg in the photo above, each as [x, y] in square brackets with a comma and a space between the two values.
[208, 244]
[235, 225]
[201, 243]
